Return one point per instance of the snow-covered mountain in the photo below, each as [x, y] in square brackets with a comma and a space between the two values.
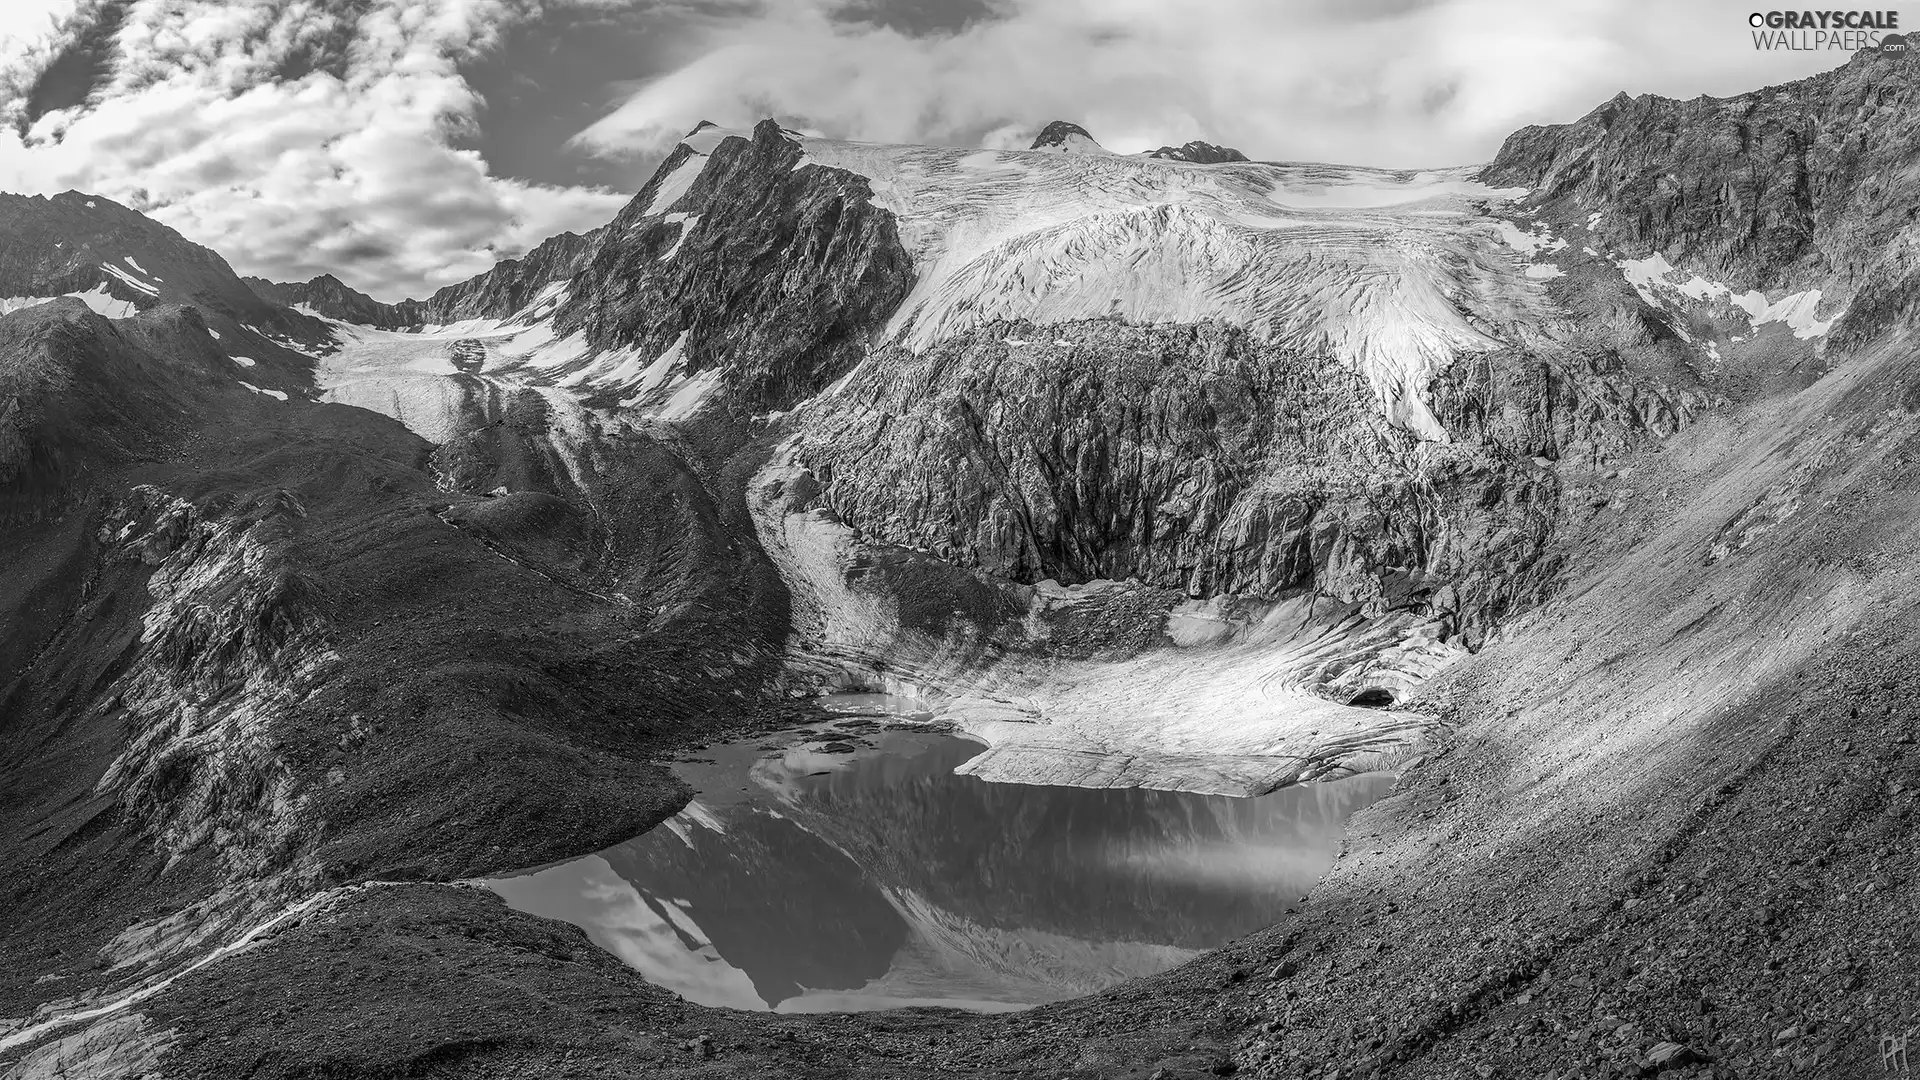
[1330, 410]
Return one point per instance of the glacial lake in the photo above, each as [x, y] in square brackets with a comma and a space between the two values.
[845, 867]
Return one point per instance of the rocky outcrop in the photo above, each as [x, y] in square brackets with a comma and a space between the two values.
[124, 1046]
[1066, 137]
[1794, 187]
[509, 286]
[232, 638]
[780, 297]
[1192, 458]
[1198, 153]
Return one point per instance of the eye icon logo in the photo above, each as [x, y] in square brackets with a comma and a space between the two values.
[1756, 20]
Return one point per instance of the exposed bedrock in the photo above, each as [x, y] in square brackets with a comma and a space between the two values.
[254, 648]
[1786, 187]
[781, 295]
[1199, 460]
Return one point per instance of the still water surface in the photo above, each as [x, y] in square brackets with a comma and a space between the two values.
[846, 867]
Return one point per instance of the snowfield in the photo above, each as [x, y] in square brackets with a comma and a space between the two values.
[97, 298]
[1655, 279]
[1387, 271]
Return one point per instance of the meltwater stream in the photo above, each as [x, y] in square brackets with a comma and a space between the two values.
[847, 867]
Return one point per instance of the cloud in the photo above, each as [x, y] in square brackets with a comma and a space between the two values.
[352, 166]
[1401, 83]
[32, 37]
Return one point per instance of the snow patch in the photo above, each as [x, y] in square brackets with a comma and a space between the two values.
[690, 397]
[1530, 241]
[281, 394]
[545, 350]
[243, 361]
[97, 298]
[687, 223]
[656, 376]
[677, 183]
[1799, 311]
[21, 303]
[545, 302]
[129, 280]
[1543, 271]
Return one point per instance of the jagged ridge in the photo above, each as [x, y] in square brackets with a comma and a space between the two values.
[508, 286]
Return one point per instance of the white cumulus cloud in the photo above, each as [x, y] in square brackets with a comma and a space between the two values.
[1402, 83]
[293, 136]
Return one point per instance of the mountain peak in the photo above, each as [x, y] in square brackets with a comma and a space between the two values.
[1065, 137]
[1199, 153]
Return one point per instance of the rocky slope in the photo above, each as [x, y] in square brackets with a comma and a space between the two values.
[255, 649]
[115, 258]
[1788, 188]
[119, 262]
[1120, 445]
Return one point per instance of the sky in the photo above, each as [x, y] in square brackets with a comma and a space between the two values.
[403, 145]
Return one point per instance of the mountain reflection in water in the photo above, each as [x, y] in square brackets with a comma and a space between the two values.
[809, 877]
